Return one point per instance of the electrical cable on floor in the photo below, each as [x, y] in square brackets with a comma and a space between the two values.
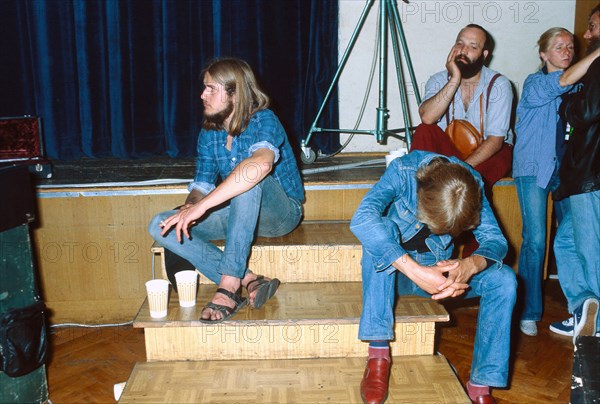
[90, 325]
[165, 181]
[308, 171]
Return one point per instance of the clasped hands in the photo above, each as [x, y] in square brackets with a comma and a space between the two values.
[448, 278]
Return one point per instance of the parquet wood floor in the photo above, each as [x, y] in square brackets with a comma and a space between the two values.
[426, 379]
[86, 363]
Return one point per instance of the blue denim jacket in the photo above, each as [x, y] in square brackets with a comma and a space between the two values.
[388, 214]
[264, 130]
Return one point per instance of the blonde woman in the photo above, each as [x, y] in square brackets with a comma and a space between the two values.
[540, 142]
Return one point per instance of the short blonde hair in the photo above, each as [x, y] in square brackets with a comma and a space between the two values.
[547, 38]
[238, 79]
[448, 197]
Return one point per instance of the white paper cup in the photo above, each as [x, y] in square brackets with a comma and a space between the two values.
[158, 297]
[187, 282]
[388, 159]
[395, 154]
[402, 151]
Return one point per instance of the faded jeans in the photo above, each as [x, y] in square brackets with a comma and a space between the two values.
[264, 210]
[577, 249]
[497, 288]
[532, 201]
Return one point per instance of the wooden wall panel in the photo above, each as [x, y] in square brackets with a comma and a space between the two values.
[334, 204]
[95, 251]
[93, 248]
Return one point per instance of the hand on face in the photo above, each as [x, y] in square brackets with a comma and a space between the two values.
[451, 65]
[469, 55]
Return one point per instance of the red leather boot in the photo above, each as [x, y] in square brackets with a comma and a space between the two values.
[375, 382]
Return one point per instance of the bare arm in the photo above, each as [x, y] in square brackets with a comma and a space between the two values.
[433, 109]
[244, 176]
[487, 149]
[574, 73]
[193, 197]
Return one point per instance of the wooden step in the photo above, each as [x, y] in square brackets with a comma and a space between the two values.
[313, 252]
[303, 320]
[414, 379]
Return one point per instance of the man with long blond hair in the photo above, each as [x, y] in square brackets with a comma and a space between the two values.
[407, 223]
[247, 183]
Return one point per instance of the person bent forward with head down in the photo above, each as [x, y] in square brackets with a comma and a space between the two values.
[407, 223]
[247, 183]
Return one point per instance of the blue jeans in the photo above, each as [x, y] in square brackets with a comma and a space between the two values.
[577, 249]
[497, 288]
[264, 210]
[532, 201]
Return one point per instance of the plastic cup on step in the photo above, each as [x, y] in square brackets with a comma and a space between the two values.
[158, 297]
[187, 284]
[395, 154]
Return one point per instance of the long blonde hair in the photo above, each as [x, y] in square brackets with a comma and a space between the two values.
[238, 79]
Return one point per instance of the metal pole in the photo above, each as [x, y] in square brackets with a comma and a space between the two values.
[382, 111]
[400, 77]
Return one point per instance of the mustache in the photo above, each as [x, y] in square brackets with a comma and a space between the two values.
[462, 58]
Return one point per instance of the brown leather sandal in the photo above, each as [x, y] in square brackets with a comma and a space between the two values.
[265, 289]
[226, 311]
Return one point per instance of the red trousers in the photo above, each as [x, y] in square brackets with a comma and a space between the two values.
[432, 138]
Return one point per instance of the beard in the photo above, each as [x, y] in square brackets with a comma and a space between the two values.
[593, 45]
[216, 120]
[467, 68]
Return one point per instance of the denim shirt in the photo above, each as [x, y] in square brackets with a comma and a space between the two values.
[537, 116]
[264, 130]
[394, 198]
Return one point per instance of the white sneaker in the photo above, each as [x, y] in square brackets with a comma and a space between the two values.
[528, 327]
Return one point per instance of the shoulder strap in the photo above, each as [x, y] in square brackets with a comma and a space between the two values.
[489, 89]
[487, 102]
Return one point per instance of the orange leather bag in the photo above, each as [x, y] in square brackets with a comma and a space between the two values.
[465, 137]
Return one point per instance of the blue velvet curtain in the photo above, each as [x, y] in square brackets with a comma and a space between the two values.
[120, 78]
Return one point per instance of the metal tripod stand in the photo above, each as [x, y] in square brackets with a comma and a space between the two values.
[388, 14]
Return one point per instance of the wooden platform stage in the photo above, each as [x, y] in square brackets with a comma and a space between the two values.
[93, 217]
[85, 363]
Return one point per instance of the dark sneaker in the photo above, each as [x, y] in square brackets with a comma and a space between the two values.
[564, 327]
[585, 318]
